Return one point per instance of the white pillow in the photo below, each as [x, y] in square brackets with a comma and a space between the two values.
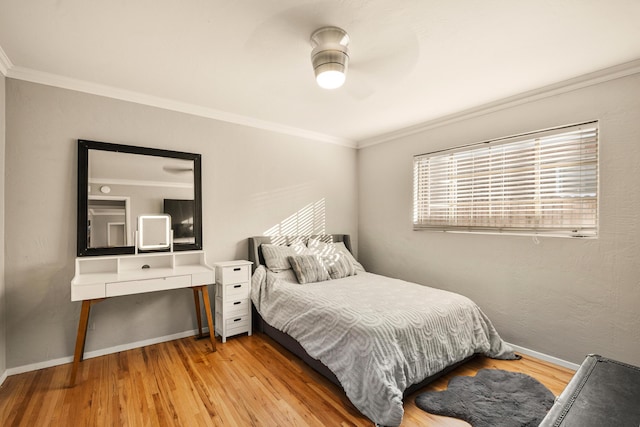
[339, 266]
[333, 251]
[276, 256]
[309, 268]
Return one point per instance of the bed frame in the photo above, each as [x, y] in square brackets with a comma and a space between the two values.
[288, 342]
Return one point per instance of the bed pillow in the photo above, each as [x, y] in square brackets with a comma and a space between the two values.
[276, 256]
[339, 266]
[308, 268]
[324, 249]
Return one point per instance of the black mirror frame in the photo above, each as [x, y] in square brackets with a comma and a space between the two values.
[83, 181]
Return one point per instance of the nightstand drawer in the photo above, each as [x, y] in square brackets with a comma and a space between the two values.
[234, 274]
[232, 326]
[236, 307]
[237, 322]
[237, 330]
[238, 290]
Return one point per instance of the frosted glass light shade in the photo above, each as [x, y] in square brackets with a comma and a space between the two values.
[330, 56]
[330, 79]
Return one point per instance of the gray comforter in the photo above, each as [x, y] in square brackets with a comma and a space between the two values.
[378, 335]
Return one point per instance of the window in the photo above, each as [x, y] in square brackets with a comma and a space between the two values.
[537, 183]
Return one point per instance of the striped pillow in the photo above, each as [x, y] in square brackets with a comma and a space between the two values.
[308, 268]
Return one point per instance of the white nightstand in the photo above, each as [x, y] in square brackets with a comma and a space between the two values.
[233, 305]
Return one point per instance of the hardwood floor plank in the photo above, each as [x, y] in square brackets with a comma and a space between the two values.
[248, 381]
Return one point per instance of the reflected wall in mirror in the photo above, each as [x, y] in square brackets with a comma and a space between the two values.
[118, 183]
[108, 221]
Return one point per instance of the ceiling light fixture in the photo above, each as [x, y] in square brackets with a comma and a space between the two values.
[330, 56]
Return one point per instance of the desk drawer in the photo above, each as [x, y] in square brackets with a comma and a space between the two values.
[234, 274]
[147, 285]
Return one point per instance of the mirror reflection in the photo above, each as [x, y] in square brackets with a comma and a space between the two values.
[153, 185]
[108, 222]
[119, 183]
[181, 212]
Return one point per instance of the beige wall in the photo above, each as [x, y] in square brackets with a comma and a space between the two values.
[3, 337]
[253, 180]
[563, 297]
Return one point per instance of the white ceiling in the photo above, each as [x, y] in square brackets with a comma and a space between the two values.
[248, 61]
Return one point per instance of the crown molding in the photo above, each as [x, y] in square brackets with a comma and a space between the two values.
[55, 80]
[5, 63]
[590, 79]
[597, 77]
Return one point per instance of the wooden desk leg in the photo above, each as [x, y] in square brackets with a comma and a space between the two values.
[81, 338]
[207, 309]
[196, 299]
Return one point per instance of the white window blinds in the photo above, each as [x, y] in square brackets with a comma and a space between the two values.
[539, 183]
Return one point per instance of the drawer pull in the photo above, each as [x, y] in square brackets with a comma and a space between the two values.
[237, 269]
[238, 319]
[237, 286]
[237, 302]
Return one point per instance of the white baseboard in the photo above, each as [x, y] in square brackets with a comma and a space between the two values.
[137, 344]
[97, 353]
[545, 357]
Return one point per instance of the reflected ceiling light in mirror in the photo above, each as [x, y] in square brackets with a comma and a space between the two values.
[177, 169]
[330, 56]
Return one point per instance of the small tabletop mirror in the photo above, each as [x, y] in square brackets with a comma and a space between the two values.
[154, 232]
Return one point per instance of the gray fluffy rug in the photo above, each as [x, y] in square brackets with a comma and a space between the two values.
[493, 398]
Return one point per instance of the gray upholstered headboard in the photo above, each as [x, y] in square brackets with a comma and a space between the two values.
[255, 253]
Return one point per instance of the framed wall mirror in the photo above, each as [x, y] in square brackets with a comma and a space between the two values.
[119, 183]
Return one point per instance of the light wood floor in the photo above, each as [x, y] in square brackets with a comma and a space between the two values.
[249, 381]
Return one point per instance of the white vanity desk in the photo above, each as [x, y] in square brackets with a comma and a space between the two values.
[100, 277]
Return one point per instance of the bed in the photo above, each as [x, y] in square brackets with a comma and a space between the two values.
[376, 337]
